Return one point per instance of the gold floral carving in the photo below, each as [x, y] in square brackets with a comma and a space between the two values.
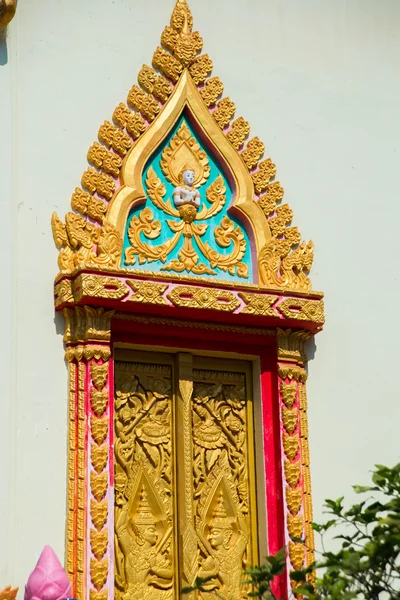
[144, 103]
[98, 401]
[147, 292]
[303, 310]
[99, 513]
[289, 419]
[8, 593]
[133, 122]
[212, 90]
[144, 541]
[183, 150]
[86, 324]
[99, 374]
[98, 595]
[201, 68]
[99, 476]
[101, 158]
[99, 456]
[115, 138]
[238, 132]
[253, 152]
[99, 429]
[98, 572]
[98, 542]
[98, 286]
[87, 352]
[224, 112]
[98, 484]
[221, 481]
[291, 346]
[63, 292]
[95, 181]
[89, 205]
[292, 357]
[258, 304]
[197, 297]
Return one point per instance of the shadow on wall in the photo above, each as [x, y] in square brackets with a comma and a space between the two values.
[3, 46]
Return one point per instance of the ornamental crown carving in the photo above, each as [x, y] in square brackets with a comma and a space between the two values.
[176, 185]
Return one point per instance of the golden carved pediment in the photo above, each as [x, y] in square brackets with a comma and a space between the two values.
[180, 82]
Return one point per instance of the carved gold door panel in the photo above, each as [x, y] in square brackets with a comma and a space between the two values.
[184, 476]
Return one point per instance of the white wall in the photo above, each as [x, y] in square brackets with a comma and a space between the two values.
[318, 81]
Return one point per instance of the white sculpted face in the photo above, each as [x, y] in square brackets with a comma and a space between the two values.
[188, 177]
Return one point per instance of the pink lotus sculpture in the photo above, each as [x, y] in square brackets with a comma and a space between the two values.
[48, 580]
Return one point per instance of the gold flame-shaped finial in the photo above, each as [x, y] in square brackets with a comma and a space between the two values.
[181, 18]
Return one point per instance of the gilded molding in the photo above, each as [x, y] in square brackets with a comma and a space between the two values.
[98, 286]
[87, 324]
[197, 297]
[293, 415]
[291, 345]
[302, 310]
[258, 304]
[100, 393]
[147, 292]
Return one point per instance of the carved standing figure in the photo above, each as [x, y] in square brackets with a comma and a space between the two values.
[224, 565]
[148, 569]
[186, 193]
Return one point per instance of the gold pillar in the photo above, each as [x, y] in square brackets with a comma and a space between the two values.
[292, 376]
[87, 338]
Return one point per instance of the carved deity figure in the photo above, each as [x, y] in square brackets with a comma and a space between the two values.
[148, 569]
[186, 196]
[224, 565]
[186, 193]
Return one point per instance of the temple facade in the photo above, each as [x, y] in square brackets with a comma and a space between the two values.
[166, 414]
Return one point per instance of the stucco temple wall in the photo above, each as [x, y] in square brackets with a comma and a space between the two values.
[318, 81]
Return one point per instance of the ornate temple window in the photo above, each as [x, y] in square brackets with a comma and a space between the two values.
[187, 303]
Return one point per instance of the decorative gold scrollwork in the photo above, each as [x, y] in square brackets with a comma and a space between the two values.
[143, 483]
[184, 154]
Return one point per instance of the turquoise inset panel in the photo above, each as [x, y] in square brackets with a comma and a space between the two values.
[184, 227]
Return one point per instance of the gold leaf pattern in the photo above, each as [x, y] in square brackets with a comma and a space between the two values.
[98, 573]
[292, 473]
[297, 555]
[99, 456]
[99, 400]
[290, 445]
[288, 391]
[99, 374]
[99, 429]
[98, 542]
[289, 419]
[98, 485]
[294, 500]
[99, 513]
[295, 526]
